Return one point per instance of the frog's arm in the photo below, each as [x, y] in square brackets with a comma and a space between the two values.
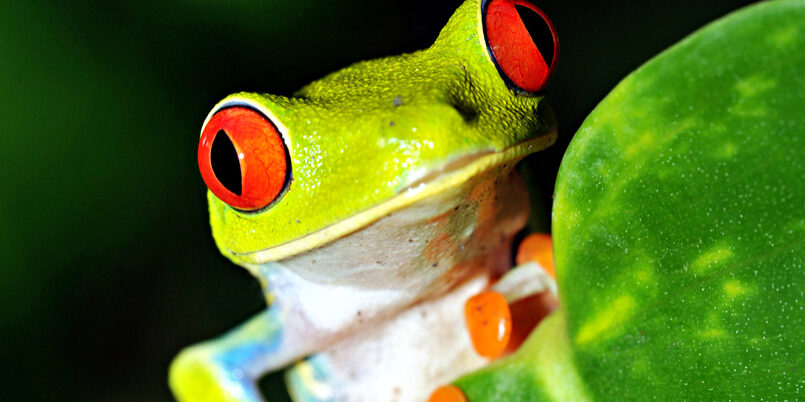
[295, 325]
[227, 368]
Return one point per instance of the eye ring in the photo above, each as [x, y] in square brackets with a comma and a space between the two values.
[243, 158]
[511, 43]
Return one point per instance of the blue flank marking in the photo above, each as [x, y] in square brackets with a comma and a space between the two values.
[241, 356]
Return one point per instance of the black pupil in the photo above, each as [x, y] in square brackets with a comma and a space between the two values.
[225, 162]
[539, 30]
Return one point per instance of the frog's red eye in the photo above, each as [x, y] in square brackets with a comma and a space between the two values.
[243, 159]
[523, 43]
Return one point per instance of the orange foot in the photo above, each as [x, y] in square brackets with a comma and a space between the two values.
[497, 328]
[447, 393]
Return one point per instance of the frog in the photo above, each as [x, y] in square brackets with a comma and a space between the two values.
[371, 205]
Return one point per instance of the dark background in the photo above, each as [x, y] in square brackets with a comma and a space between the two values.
[108, 267]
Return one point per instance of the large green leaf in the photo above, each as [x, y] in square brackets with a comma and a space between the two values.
[679, 229]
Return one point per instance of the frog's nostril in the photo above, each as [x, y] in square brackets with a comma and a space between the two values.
[243, 158]
[225, 163]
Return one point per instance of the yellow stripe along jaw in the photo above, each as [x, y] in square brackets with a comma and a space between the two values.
[407, 197]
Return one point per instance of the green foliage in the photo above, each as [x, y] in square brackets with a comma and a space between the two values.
[679, 224]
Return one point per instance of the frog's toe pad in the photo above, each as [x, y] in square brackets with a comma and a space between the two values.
[489, 323]
[538, 248]
[447, 393]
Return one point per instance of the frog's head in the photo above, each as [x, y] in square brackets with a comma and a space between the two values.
[290, 174]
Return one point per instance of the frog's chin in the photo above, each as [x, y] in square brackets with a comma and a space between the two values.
[430, 185]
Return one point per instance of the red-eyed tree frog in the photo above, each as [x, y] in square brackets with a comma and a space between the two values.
[372, 205]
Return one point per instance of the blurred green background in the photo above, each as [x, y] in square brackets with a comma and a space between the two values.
[108, 267]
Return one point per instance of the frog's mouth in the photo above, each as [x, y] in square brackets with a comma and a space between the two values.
[429, 185]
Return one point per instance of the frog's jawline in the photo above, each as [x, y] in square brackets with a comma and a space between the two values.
[444, 178]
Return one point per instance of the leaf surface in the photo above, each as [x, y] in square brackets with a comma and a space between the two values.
[679, 227]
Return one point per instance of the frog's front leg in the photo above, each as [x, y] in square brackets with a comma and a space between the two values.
[304, 316]
[227, 368]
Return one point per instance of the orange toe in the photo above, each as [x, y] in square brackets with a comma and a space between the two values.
[447, 393]
[489, 323]
[537, 247]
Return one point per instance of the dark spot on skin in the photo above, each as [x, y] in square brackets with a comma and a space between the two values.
[456, 208]
[312, 261]
[423, 314]
[379, 262]
[410, 240]
[397, 101]
[397, 390]
[485, 322]
[359, 313]
[435, 264]
[297, 221]
[391, 123]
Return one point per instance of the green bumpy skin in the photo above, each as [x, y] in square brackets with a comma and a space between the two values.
[362, 135]
[679, 230]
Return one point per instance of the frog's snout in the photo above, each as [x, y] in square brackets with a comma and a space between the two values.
[243, 158]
